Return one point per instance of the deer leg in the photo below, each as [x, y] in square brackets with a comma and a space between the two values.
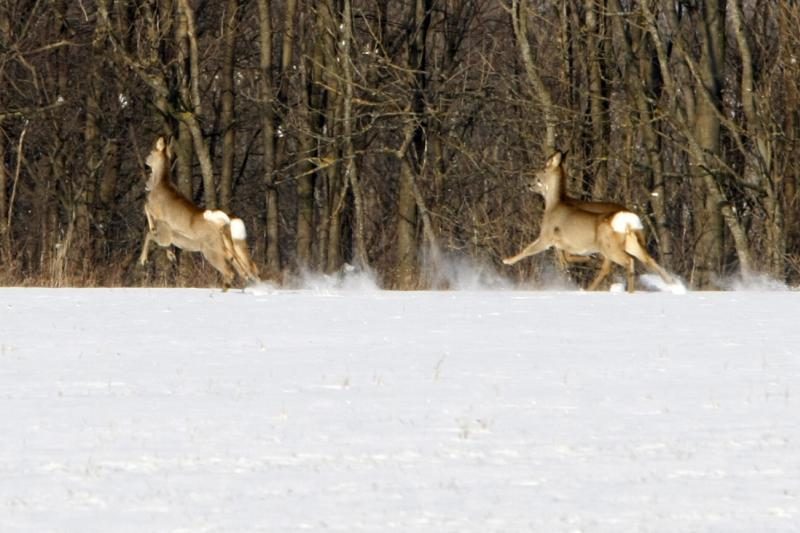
[150, 219]
[563, 261]
[575, 258]
[605, 268]
[634, 248]
[243, 263]
[537, 246]
[162, 234]
[145, 248]
[241, 254]
[219, 260]
[631, 273]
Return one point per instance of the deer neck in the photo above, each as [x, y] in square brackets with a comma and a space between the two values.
[553, 194]
[158, 174]
[562, 184]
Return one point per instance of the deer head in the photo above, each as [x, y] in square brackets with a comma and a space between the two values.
[158, 161]
[549, 181]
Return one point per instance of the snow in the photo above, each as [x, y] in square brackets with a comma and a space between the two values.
[142, 410]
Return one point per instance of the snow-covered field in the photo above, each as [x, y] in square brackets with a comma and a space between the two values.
[159, 410]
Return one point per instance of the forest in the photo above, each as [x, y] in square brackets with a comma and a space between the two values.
[397, 137]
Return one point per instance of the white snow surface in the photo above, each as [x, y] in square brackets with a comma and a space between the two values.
[161, 410]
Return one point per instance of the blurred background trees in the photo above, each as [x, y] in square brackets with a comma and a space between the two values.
[397, 136]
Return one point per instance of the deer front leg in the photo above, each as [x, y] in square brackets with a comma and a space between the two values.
[161, 233]
[145, 248]
[537, 246]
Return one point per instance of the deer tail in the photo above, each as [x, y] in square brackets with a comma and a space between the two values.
[630, 225]
[217, 217]
[625, 221]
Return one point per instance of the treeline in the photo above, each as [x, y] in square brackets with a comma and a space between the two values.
[393, 136]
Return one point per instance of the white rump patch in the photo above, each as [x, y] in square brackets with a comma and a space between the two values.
[238, 233]
[625, 221]
[216, 216]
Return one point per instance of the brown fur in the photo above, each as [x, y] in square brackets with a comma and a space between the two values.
[173, 220]
[584, 229]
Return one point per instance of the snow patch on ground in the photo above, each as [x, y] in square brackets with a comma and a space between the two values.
[752, 282]
[349, 278]
[654, 282]
[463, 273]
[140, 410]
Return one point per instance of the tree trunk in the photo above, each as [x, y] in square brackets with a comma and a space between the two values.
[699, 118]
[190, 117]
[760, 159]
[313, 120]
[406, 258]
[227, 112]
[708, 255]
[182, 144]
[519, 21]
[94, 148]
[406, 230]
[641, 83]
[350, 167]
[272, 235]
[598, 97]
[106, 193]
[5, 237]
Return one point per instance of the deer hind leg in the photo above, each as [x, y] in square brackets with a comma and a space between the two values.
[605, 268]
[616, 252]
[242, 261]
[635, 248]
[219, 260]
[631, 275]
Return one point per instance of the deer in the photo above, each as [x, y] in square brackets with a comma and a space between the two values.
[587, 228]
[593, 206]
[173, 220]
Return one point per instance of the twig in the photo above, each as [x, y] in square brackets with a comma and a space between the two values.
[16, 179]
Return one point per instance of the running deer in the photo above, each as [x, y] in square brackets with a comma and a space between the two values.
[174, 220]
[587, 228]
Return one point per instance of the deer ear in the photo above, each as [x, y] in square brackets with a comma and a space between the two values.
[554, 160]
[160, 145]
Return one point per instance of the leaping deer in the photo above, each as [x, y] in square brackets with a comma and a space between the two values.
[580, 228]
[174, 220]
